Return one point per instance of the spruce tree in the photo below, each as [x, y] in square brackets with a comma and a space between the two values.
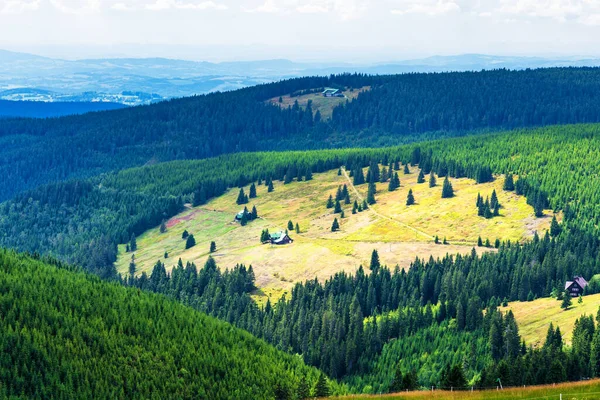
[436, 240]
[396, 385]
[406, 170]
[354, 207]
[432, 180]
[371, 193]
[254, 213]
[244, 219]
[270, 186]
[509, 185]
[252, 191]
[447, 190]
[163, 226]
[241, 199]
[335, 226]
[133, 243]
[166, 254]
[290, 225]
[185, 234]
[375, 264]
[566, 303]
[190, 242]
[329, 202]
[213, 247]
[410, 199]
[308, 176]
[421, 177]
[297, 228]
[338, 207]
[303, 390]
[479, 242]
[322, 387]
[494, 200]
[365, 205]
[554, 227]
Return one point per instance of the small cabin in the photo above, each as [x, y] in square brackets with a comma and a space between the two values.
[576, 286]
[280, 238]
[239, 216]
[330, 92]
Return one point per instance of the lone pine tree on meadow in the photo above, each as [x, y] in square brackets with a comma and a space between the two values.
[190, 242]
[447, 190]
[335, 226]
[421, 177]
[406, 170]
[371, 193]
[375, 264]
[329, 202]
[410, 199]
[290, 225]
[338, 207]
[432, 180]
[354, 207]
[252, 193]
[213, 247]
[566, 303]
[242, 197]
[364, 205]
[297, 228]
[270, 186]
[394, 182]
[185, 234]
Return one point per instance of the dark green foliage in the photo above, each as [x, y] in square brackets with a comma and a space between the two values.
[436, 240]
[375, 264]
[132, 243]
[358, 177]
[335, 226]
[297, 228]
[508, 183]
[265, 236]
[190, 241]
[354, 207]
[185, 234]
[252, 193]
[432, 180]
[394, 182]
[242, 197]
[290, 225]
[479, 242]
[329, 202]
[410, 199]
[79, 337]
[163, 227]
[371, 193]
[566, 302]
[447, 190]
[554, 227]
[406, 170]
[337, 208]
[270, 186]
[213, 247]
[453, 377]
[322, 387]
[421, 177]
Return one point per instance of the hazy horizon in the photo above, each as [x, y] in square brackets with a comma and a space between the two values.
[312, 30]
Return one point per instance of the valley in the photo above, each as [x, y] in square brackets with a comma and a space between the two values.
[398, 232]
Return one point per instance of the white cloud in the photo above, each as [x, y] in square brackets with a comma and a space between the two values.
[18, 6]
[80, 7]
[344, 9]
[581, 11]
[432, 8]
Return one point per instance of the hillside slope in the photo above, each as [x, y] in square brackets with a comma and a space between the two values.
[534, 317]
[398, 232]
[65, 334]
[397, 108]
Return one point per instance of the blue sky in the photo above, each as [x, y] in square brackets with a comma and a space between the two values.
[328, 30]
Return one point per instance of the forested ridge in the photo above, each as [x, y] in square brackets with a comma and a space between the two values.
[66, 334]
[396, 109]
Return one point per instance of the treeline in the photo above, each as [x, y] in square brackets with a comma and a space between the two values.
[65, 334]
[397, 108]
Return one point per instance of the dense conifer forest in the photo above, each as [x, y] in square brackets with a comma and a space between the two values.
[371, 330]
[397, 108]
[66, 334]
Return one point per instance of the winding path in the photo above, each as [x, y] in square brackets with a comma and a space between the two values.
[418, 231]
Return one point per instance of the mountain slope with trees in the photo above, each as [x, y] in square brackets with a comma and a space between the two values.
[397, 108]
[66, 334]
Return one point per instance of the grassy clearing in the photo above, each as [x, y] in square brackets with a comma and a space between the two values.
[587, 390]
[398, 232]
[534, 317]
[324, 104]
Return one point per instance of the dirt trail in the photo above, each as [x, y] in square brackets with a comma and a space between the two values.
[374, 211]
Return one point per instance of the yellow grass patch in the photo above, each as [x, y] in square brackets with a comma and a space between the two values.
[324, 104]
[399, 233]
[534, 317]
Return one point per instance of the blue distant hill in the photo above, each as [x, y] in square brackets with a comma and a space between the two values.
[39, 109]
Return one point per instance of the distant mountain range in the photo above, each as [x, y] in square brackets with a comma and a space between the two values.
[134, 81]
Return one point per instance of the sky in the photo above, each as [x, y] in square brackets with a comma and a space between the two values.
[301, 30]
